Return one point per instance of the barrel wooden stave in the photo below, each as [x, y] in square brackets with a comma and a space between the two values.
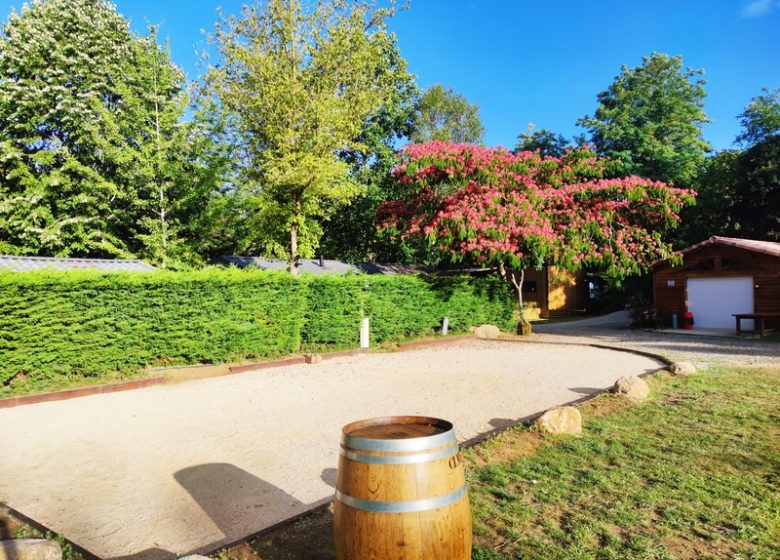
[436, 533]
[441, 534]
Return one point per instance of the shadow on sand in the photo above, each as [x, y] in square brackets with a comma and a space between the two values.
[229, 496]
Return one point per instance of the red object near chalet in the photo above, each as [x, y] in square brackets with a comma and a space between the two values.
[687, 320]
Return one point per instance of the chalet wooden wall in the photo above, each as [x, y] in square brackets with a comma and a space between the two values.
[552, 291]
[717, 261]
[566, 291]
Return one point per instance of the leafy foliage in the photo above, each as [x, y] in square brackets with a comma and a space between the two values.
[59, 64]
[756, 207]
[545, 141]
[88, 323]
[518, 211]
[94, 156]
[715, 201]
[349, 234]
[301, 82]
[650, 117]
[401, 307]
[447, 116]
[335, 310]
[761, 118]
[734, 184]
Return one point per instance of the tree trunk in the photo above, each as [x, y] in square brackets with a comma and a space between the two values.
[294, 248]
[295, 230]
[519, 287]
[157, 172]
[523, 327]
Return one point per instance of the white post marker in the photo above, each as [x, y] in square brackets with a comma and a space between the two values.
[364, 333]
[445, 326]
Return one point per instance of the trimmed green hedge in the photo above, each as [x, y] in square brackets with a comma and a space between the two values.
[334, 310]
[88, 322]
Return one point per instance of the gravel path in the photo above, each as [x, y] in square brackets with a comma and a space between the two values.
[167, 470]
[611, 330]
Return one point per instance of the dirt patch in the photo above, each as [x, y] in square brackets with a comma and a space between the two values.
[505, 447]
[604, 404]
[180, 374]
[309, 538]
[682, 548]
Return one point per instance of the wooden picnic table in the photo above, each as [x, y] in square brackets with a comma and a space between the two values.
[757, 317]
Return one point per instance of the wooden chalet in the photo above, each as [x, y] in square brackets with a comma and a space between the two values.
[718, 279]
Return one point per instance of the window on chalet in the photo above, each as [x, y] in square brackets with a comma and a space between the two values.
[703, 266]
[729, 264]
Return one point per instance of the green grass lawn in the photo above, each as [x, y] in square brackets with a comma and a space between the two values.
[692, 473]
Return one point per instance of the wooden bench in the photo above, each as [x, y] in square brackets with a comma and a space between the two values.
[757, 317]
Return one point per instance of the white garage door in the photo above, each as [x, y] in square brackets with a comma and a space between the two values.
[713, 300]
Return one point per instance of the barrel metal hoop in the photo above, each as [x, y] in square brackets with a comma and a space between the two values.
[410, 444]
[408, 506]
[400, 459]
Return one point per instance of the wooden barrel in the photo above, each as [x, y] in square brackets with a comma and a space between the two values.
[401, 492]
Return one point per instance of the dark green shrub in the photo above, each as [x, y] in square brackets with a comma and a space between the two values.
[87, 323]
[470, 301]
[400, 307]
[335, 307]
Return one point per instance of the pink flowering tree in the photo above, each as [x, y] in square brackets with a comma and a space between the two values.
[519, 211]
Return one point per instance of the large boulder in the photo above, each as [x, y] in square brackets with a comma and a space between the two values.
[633, 388]
[561, 420]
[30, 549]
[682, 369]
[487, 332]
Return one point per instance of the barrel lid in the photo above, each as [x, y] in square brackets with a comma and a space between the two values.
[397, 433]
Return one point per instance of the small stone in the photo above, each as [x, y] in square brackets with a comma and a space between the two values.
[487, 332]
[312, 358]
[561, 420]
[194, 557]
[633, 388]
[682, 369]
[30, 549]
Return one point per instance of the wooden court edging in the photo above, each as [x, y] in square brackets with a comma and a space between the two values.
[21, 400]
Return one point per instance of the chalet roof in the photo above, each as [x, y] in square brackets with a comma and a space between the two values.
[394, 268]
[765, 247]
[24, 264]
[311, 266]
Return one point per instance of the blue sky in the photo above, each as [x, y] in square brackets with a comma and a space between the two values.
[544, 62]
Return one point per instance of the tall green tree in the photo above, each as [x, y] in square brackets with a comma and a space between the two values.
[60, 61]
[715, 201]
[97, 159]
[756, 207]
[543, 140]
[651, 118]
[172, 165]
[301, 81]
[447, 116]
[350, 234]
[761, 118]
